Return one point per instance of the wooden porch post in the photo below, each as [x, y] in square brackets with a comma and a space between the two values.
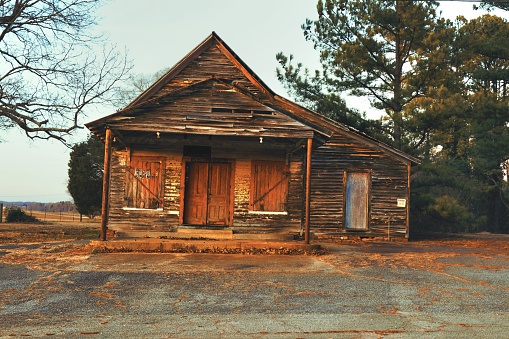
[407, 235]
[106, 183]
[308, 190]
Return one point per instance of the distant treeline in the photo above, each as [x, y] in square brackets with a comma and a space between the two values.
[62, 206]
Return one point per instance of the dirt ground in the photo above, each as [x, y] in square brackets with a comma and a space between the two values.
[69, 241]
[69, 230]
[73, 236]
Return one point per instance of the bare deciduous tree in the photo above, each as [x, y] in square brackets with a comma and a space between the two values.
[53, 66]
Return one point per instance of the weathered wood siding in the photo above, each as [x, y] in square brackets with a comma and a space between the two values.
[168, 218]
[211, 108]
[212, 102]
[211, 63]
[243, 219]
[123, 218]
[172, 184]
[388, 183]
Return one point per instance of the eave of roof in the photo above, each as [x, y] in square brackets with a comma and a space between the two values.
[318, 118]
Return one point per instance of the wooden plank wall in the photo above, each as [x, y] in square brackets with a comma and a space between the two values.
[121, 219]
[167, 219]
[172, 184]
[330, 161]
[117, 184]
[388, 183]
[211, 108]
[212, 62]
[245, 222]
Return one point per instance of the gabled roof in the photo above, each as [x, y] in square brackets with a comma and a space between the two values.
[234, 74]
[176, 112]
[212, 39]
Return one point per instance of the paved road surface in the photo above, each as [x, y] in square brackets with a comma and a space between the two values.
[355, 291]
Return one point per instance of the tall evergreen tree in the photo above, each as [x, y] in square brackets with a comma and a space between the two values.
[486, 55]
[443, 87]
[86, 176]
[470, 133]
[387, 50]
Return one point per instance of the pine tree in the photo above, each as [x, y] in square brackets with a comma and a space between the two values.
[469, 133]
[386, 50]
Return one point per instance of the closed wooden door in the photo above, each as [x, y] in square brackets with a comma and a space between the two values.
[357, 201]
[219, 194]
[195, 201]
[207, 194]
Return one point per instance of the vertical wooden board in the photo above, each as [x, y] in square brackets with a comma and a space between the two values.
[357, 194]
[219, 194]
[143, 183]
[269, 186]
[195, 200]
[141, 195]
[260, 185]
[155, 183]
[277, 197]
[134, 190]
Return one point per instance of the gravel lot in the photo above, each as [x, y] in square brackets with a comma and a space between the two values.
[456, 288]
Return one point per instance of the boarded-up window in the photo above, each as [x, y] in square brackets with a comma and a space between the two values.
[357, 200]
[269, 186]
[144, 183]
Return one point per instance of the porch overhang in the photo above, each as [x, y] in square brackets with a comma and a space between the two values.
[150, 137]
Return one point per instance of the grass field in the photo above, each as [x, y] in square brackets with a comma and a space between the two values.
[61, 216]
[57, 216]
[52, 226]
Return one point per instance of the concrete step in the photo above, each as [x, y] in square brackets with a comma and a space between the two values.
[264, 236]
[183, 245]
[180, 234]
[185, 232]
[206, 234]
[141, 234]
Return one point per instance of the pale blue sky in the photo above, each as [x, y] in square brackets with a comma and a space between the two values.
[157, 34]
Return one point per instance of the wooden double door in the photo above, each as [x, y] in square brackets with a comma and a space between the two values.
[207, 193]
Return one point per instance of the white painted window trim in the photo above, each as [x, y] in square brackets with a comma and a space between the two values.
[267, 213]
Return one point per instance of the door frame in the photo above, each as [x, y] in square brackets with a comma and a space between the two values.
[367, 172]
[231, 162]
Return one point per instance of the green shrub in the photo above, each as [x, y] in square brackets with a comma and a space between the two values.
[451, 215]
[15, 214]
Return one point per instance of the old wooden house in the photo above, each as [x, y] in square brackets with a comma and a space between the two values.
[210, 146]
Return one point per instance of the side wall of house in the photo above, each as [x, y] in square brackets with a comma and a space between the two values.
[388, 183]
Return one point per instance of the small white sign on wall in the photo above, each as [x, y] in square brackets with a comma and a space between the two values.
[401, 202]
